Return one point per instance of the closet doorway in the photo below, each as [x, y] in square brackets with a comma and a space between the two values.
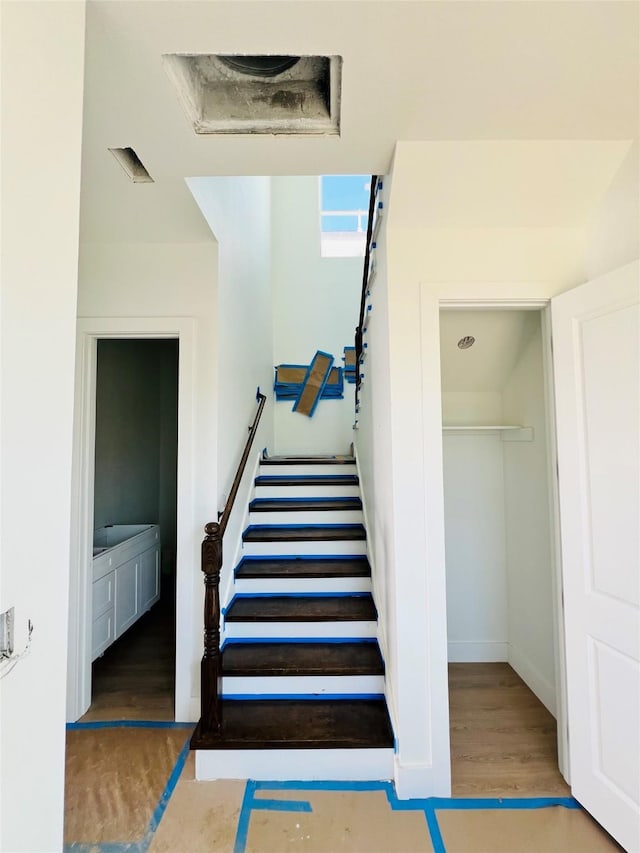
[499, 554]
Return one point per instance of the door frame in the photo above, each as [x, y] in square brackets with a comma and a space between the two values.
[89, 331]
[508, 297]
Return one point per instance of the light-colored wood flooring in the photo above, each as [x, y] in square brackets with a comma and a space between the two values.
[503, 739]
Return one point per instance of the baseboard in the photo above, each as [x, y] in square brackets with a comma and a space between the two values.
[533, 678]
[473, 651]
[418, 781]
[188, 711]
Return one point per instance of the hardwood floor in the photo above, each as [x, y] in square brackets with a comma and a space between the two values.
[134, 679]
[503, 739]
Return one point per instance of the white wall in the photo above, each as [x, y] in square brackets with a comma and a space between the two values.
[390, 422]
[471, 408]
[238, 211]
[529, 557]
[475, 541]
[42, 84]
[613, 237]
[316, 304]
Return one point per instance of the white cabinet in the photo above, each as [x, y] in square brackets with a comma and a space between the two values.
[126, 580]
[149, 578]
[126, 611]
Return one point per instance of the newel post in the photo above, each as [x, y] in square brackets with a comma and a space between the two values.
[210, 668]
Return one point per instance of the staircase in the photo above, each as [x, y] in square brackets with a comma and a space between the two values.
[302, 673]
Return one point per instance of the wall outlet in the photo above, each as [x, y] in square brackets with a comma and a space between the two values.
[7, 621]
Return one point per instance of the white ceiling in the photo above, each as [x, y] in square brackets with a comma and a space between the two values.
[500, 339]
[415, 71]
[505, 183]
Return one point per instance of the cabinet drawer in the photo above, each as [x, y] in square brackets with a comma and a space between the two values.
[103, 595]
[102, 633]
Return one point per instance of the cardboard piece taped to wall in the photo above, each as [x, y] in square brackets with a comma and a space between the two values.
[289, 379]
[314, 382]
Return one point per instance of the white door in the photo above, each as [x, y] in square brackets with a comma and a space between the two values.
[596, 332]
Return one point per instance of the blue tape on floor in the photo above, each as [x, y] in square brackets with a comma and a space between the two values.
[503, 803]
[245, 815]
[434, 831]
[282, 805]
[428, 806]
[322, 785]
[160, 809]
[129, 724]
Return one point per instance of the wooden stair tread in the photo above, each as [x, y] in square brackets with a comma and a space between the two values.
[316, 658]
[303, 533]
[301, 724]
[303, 504]
[303, 567]
[307, 480]
[302, 608]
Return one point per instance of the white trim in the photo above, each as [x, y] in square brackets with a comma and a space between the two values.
[89, 330]
[298, 764]
[412, 780]
[559, 711]
[532, 677]
[517, 296]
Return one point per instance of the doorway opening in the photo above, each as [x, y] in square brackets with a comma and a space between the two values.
[499, 554]
[134, 529]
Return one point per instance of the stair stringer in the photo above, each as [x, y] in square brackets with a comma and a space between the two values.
[227, 575]
[376, 593]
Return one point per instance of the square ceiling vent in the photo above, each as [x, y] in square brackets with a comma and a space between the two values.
[295, 95]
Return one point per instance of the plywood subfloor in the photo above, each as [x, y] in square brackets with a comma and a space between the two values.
[132, 789]
[130, 785]
[503, 739]
[114, 779]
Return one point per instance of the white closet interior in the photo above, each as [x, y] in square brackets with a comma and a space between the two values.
[497, 499]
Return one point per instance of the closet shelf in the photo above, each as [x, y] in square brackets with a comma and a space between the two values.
[508, 432]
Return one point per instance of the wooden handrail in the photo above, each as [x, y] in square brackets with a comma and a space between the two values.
[253, 429]
[365, 278]
[210, 668]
